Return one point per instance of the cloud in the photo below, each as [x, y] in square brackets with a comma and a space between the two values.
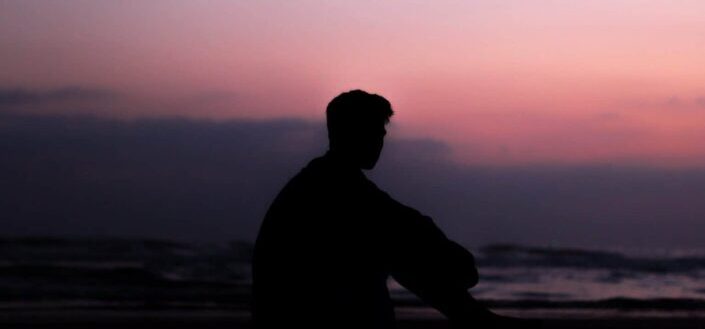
[92, 101]
[678, 103]
[212, 181]
[674, 101]
[700, 101]
[216, 96]
[21, 96]
[609, 116]
[173, 178]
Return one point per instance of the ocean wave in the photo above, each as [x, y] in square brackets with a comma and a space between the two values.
[162, 272]
[611, 303]
[508, 255]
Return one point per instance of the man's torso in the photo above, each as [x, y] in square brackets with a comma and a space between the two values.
[321, 254]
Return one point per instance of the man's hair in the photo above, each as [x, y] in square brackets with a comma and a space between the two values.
[354, 110]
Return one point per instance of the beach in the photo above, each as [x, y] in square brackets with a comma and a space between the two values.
[133, 283]
[107, 319]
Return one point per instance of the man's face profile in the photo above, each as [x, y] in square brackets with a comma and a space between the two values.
[363, 143]
[371, 144]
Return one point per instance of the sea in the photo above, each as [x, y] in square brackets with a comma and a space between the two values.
[107, 273]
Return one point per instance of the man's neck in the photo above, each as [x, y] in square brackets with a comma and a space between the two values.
[342, 160]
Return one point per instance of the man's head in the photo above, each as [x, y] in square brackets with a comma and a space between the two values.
[356, 121]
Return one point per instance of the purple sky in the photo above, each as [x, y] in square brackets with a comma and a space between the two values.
[539, 122]
[510, 83]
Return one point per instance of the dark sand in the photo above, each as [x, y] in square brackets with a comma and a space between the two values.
[176, 319]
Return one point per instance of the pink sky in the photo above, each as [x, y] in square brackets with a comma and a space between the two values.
[503, 82]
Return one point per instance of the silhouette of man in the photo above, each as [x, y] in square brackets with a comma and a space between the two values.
[331, 239]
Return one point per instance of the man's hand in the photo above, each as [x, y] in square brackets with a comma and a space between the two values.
[495, 321]
[463, 311]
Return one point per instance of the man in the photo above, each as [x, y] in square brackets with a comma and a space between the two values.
[331, 239]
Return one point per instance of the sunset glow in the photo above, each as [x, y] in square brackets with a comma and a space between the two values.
[504, 83]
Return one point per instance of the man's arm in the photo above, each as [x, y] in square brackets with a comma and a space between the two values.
[439, 270]
[426, 262]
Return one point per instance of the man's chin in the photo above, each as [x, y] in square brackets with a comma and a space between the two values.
[368, 166]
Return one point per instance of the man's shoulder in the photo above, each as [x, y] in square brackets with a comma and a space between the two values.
[314, 170]
[310, 177]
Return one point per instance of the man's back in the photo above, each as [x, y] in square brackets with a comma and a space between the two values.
[328, 244]
[318, 256]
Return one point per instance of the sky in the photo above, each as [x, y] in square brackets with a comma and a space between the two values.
[504, 83]
[212, 181]
[536, 122]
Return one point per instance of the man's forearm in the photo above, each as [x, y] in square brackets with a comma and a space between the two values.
[458, 306]
[463, 311]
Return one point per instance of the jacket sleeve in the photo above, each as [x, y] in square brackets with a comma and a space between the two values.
[424, 260]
